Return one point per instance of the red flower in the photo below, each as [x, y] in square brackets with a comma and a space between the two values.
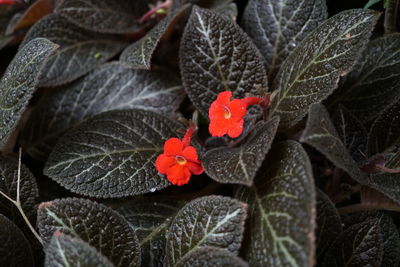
[179, 160]
[7, 2]
[226, 116]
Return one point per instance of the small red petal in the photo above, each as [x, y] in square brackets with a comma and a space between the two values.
[236, 129]
[164, 162]
[190, 153]
[224, 97]
[173, 146]
[216, 111]
[195, 168]
[218, 127]
[238, 108]
[178, 174]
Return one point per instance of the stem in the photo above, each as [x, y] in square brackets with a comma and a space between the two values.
[391, 11]
[19, 207]
[166, 5]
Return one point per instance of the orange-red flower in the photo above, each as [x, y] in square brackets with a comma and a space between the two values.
[7, 2]
[179, 160]
[226, 116]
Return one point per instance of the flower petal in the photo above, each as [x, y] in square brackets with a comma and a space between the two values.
[235, 129]
[218, 127]
[173, 146]
[195, 168]
[190, 154]
[238, 108]
[178, 174]
[164, 162]
[224, 97]
[216, 111]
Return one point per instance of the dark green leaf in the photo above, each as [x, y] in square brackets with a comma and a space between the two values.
[19, 82]
[226, 8]
[238, 165]
[359, 245]
[390, 235]
[64, 250]
[15, 250]
[215, 56]
[277, 27]
[211, 257]
[329, 225]
[353, 134]
[394, 161]
[94, 223]
[112, 86]
[386, 183]
[139, 54]
[208, 221]
[282, 210]
[112, 154]
[322, 135]
[151, 218]
[385, 132]
[8, 185]
[371, 3]
[312, 71]
[80, 50]
[108, 16]
[374, 81]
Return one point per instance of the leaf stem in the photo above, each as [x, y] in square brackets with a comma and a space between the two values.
[391, 12]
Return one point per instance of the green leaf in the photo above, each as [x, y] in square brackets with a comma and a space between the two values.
[78, 49]
[211, 257]
[94, 223]
[386, 183]
[278, 27]
[112, 154]
[329, 225]
[215, 56]
[139, 54]
[371, 3]
[359, 245]
[322, 135]
[282, 210]
[15, 250]
[112, 86]
[374, 81]
[107, 16]
[64, 250]
[19, 82]
[353, 134]
[151, 217]
[312, 71]
[238, 165]
[208, 221]
[390, 234]
[28, 190]
[385, 132]
[394, 161]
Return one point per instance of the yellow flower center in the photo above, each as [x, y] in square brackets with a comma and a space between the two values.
[227, 113]
[180, 160]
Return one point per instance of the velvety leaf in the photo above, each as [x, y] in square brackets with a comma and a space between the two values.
[215, 56]
[386, 183]
[108, 16]
[94, 223]
[80, 50]
[238, 165]
[214, 221]
[394, 161]
[374, 81]
[112, 154]
[352, 133]
[151, 217]
[226, 8]
[390, 235]
[15, 250]
[277, 27]
[322, 135]
[28, 190]
[329, 225]
[359, 245]
[112, 86]
[210, 257]
[139, 54]
[19, 82]
[312, 71]
[64, 250]
[385, 132]
[282, 210]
